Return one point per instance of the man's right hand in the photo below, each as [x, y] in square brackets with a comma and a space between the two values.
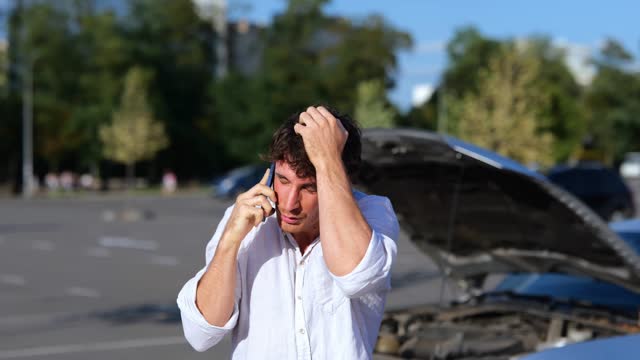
[249, 210]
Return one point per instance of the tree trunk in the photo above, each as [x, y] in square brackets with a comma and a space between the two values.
[131, 176]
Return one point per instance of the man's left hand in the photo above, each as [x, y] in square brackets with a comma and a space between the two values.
[323, 135]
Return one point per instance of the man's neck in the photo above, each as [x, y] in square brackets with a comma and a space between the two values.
[304, 241]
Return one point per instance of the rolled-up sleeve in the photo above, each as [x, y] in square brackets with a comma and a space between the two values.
[198, 332]
[373, 273]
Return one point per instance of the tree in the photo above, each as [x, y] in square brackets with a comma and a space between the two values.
[505, 115]
[134, 134]
[172, 40]
[613, 103]
[309, 58]
[371, 108]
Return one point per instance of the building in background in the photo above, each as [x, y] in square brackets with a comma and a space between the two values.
[238, 44]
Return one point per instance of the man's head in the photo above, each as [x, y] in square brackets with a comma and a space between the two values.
[295, 180]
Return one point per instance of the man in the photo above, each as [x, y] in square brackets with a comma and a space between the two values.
[311, 280]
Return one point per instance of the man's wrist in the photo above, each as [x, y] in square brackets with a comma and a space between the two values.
[328, 165]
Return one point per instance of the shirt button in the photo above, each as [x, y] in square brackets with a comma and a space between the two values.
[301, 262]
[299, 297]
[301, 331]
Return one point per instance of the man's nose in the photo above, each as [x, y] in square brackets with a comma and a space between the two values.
[292, 201]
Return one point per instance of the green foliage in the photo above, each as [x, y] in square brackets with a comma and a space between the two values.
[82, 52]
[133, 135]
[505, 116]
[309, 58]
[613, 103]
[562, 115]
[371, 109]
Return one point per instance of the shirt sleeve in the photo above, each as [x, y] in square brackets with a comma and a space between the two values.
[198, 332]
[373, 273]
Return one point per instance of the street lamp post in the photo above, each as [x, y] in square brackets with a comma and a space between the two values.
[27, 130]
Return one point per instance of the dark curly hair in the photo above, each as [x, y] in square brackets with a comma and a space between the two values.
[287, 146]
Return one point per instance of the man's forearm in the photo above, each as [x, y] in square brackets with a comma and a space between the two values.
[215, 295]
[344, 231]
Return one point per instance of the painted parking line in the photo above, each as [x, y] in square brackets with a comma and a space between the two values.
[99, 252]
[32, 318]
[42, 245]
[83, 292]
[127, 243]
[12, 279]
[95, 347]
[164, 260]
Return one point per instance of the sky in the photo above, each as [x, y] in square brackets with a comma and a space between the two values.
[580, 24]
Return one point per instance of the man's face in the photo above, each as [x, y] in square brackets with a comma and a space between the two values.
[297, 207]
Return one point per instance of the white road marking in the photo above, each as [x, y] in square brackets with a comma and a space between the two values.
[164, 260]
[30, 318]
[11, 279]
[127, 243]
[82, 348]
[42, 245]
[108, 216]
[82, 291]
[99, 252]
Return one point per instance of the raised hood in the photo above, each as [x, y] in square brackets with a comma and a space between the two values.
[475, 212]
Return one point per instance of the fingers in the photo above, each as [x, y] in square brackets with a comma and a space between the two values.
[253, 214]
[261, 202]
[322, 110]
[306, 119]
[265, 177]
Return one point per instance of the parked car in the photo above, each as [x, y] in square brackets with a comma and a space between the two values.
[237, 181]
[598, 186]
[567, 276]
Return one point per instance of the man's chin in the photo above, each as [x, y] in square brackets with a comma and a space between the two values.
[290, 228]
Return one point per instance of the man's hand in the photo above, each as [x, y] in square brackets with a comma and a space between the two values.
[323, 135]
[249, 210]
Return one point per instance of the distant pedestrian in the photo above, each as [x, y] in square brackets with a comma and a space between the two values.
[51, 182]
[66, 181]
[169, 182]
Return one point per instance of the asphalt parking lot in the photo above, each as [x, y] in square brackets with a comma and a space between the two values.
[80, 280]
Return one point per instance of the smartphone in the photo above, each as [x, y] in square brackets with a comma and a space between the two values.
[272, 170]
[272, 174]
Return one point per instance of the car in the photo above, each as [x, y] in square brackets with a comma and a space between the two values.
[598, 186]
[565, 276]
[237, 181]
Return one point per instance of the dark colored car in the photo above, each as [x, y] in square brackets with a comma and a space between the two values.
[598, 186]
[567, 277]
[237, 181]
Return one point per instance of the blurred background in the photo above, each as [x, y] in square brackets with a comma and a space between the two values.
[120, 118]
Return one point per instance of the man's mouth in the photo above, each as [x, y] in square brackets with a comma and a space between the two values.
[289, 219]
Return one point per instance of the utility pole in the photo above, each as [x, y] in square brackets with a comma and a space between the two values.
[27, 110]
[27, 129]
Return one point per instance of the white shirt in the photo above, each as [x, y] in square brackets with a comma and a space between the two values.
[288, 305]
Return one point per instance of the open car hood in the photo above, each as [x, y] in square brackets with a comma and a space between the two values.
[475, 212]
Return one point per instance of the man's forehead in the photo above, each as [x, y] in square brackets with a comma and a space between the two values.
[283, 168]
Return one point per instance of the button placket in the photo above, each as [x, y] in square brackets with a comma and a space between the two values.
[302, 338]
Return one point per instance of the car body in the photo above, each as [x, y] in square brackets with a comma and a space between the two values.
[598, 186]
[237, 181]
[567, 276]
